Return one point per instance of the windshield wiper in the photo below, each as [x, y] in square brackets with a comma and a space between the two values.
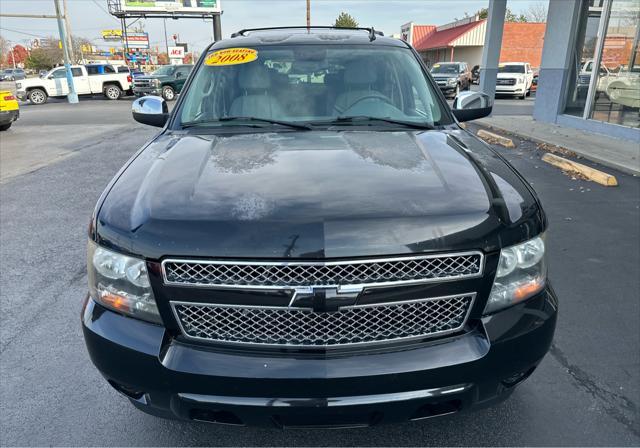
[290, 124]
[359, 118]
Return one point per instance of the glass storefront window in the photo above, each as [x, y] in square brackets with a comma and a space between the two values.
[617, 96]
[615, 93]
[581, 68]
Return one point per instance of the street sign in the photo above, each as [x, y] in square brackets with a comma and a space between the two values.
[137, 40]
[176, 52]
[111, 35]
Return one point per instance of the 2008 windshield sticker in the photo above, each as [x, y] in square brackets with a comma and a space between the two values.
[231, 56]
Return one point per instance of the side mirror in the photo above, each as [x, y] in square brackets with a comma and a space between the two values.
[472, 105]
[178, 75]
[151, 110]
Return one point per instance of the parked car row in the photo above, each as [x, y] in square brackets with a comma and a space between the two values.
[111, 81]
[12, 74]
[514, 78]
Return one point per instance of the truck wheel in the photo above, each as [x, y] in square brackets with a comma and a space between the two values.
[37, 96]
[168, 93]
[4, 127]
[112, 92]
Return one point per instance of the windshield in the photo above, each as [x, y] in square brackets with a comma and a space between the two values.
[166, 70]
[314, 84]
[449, 69]
[502, 68]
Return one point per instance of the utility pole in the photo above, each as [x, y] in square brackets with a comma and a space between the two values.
[72, 97]
[68, 26]
[125, 40]
[166, 41]
[308, 13]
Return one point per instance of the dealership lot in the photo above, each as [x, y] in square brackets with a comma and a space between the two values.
[56, 161]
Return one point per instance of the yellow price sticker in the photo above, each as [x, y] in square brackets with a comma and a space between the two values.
[436, 65]
[501, 65]
[231, 56]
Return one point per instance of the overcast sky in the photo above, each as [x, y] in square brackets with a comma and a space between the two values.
[88, 17]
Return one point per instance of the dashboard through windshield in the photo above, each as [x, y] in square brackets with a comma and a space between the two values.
[312, 84]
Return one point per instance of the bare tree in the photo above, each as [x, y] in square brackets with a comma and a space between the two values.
[536, 12]
[4, 49]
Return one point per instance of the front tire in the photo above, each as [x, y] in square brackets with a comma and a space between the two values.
[4, 127]
[456, 92]
[37, 96]
[112, 92]
[168, 93]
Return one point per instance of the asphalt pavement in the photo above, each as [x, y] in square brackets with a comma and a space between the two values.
[585, 392]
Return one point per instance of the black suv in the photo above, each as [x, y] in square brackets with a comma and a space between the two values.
[452, 77]
[313, 240]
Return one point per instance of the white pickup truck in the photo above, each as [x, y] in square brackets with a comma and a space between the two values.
[54, 84]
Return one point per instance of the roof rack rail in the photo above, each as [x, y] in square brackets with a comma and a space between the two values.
[372, 32]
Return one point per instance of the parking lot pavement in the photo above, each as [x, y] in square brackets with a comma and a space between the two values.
[585, 392]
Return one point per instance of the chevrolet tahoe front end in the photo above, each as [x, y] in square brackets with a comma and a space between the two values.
[331, 271]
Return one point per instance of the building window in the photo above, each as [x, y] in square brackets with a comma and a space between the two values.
[582, 64]
[617, 96]
[604, 83]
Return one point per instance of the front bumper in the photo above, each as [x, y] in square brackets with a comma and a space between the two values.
[142, 91]
[517, 89]
[447, 89]
[9, 116]
[165, 376]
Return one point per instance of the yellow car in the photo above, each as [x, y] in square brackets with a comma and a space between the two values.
[9, 109]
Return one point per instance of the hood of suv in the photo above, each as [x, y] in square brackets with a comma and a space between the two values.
[151, 77]
[444, 75]
[315, 194]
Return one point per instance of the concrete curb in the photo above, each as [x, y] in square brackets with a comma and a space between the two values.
[586, 155]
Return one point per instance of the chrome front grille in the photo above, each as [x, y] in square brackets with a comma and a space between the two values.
[292, 274]
[584, 79]
[142, 83]
[505, 82]
[305, 328]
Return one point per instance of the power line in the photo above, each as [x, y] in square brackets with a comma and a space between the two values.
[104, 10]
[22, 32]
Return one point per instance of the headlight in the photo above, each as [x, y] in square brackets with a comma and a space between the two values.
[18, 85]
[156, 82]
[452, 81]
[520, 79]
[120, 283]
[522, 273]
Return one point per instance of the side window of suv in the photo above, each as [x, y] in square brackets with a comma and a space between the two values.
[76, 72]
[182, 72]
[109, 69]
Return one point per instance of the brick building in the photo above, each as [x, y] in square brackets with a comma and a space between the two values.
[463, 40]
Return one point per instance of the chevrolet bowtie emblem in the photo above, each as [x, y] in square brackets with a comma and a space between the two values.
[324, 299]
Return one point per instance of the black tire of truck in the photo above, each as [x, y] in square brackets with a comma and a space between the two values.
[168, 93]
[112, 92]
[37, 96]
[4, 127]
